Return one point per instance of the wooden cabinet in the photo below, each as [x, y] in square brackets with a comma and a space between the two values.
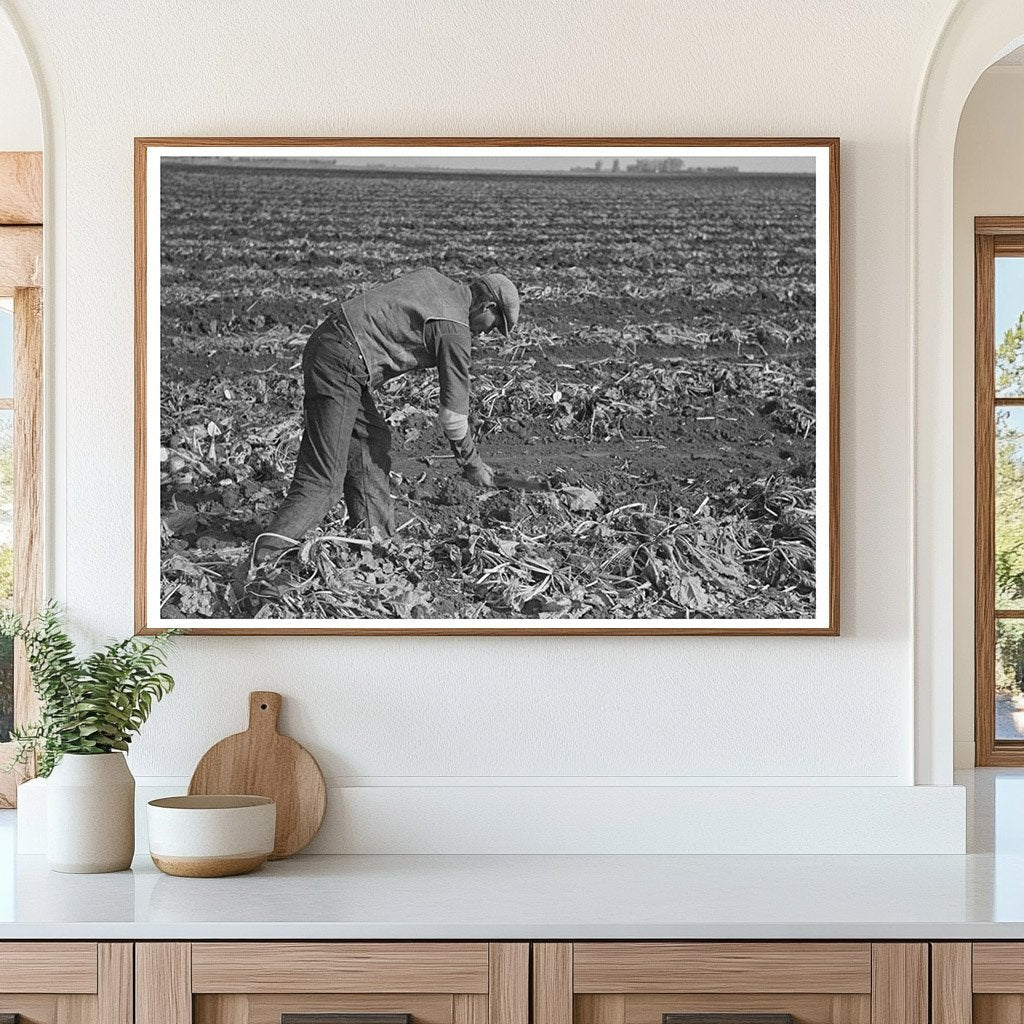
[978, 983]
[494, 983]
[309, 982]
[752, 982]
[66, 982]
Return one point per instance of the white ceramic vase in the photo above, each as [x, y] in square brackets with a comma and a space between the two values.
[90, 814]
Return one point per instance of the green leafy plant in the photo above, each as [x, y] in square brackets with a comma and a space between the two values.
[90, 705]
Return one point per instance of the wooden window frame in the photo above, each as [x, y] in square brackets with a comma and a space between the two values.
[993, 237]
[21, 278]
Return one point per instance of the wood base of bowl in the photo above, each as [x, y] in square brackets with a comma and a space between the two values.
[209, 867]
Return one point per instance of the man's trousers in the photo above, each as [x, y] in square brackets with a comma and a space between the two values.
[345, 444]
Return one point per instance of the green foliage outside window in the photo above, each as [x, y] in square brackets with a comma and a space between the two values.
[1009, 510]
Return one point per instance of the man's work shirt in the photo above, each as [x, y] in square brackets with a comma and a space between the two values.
[418, 320]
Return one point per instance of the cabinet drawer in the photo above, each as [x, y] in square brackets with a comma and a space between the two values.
[634, 967]
[730, 983]
[341, 1008]
[65, 967]
[981, 982]
[998, 967]
[332, 983]
[340, 967]
[66, 982]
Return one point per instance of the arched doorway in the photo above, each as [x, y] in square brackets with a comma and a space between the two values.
[977, 33]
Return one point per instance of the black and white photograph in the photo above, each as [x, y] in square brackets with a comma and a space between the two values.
[456, 387]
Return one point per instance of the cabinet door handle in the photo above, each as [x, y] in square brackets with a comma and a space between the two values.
[727, 1018]
[338, 1018]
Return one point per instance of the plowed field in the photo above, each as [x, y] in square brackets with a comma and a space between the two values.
[659, 391]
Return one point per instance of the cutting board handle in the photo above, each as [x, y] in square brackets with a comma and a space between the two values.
[264, 710]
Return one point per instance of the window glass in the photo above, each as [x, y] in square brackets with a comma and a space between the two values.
[6, 353]
[1009, 511]
[1009, 327]
[1009, 679]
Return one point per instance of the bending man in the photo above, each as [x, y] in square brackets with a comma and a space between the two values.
[422, 319]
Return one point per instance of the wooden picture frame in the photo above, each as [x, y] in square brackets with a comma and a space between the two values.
[151, 600]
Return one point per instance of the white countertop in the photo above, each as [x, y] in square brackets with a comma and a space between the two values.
[496, 897]
[977, 896]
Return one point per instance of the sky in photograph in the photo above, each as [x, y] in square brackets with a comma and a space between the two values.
[749, 164]
[779, 164]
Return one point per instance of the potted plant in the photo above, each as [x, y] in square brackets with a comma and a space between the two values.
[89, 710]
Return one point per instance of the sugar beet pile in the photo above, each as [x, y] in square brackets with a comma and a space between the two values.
[660, 389]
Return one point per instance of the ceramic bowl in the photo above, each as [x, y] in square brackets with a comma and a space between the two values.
[211, 836]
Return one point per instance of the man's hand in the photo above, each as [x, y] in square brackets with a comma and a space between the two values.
[479, 473]
[474, 469]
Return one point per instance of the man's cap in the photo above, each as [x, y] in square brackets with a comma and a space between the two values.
[504, 293]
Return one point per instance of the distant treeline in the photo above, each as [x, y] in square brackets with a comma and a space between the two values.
[644, 165]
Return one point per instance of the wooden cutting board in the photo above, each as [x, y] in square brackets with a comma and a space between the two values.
[262, 762]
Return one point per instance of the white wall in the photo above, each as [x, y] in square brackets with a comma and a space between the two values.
[465, 711]
[987, 181]
[21, 126]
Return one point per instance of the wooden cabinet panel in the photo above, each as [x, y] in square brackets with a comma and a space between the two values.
[811, 982]
[977, 983]
[66, 982]
[469, 1009]
[115, 969]
[552, 983]
[899, 983]
[998, 967]
[635, 967]
[163, 983]
[990, 1008]
[594, 1009]
[64, 967]
[481, 983]
[508, 996]
[649, 1008]
[32, 1008]
[219, 967]
[489, 983]
[980, 982]
[951, 982]
[806, 1008]
[257, 982]
[267, 1009]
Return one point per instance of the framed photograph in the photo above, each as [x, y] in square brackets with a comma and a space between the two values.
[495, 386]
